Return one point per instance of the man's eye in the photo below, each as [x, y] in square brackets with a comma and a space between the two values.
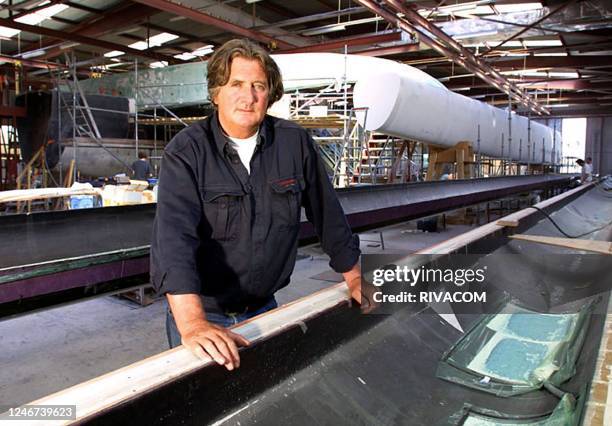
[235, 84]
[260, 87]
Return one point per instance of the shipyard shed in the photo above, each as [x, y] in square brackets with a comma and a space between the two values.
[468, 143]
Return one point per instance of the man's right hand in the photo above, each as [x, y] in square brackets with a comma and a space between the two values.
[207, 340]
[204, 339]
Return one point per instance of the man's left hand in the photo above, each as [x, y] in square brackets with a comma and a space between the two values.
[360, 291]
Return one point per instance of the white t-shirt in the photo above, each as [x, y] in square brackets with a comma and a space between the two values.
[245, 149]
[587, 170]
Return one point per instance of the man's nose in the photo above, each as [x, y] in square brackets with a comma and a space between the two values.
[248, 94]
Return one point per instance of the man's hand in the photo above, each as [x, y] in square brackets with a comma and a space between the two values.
[204, 339]
[360, 291]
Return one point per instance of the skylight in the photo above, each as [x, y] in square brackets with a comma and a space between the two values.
[159, 64]
[156, 40]
[33, 18]
[114, 53]
[37, 17]
[200, 51]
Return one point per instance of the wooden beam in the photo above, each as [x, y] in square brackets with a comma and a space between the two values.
[595, 246]
[128, 382]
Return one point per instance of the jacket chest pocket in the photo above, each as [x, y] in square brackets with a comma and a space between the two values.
[223, 211]
[287, 200]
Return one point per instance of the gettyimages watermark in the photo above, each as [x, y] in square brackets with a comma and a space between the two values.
[477, 284]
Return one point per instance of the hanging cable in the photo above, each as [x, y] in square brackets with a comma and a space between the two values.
[565, 233]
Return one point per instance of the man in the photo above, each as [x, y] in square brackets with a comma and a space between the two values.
[587, 170]
[141, 167]
[228, 212]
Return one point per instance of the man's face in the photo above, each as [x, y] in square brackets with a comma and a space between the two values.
[243, 101]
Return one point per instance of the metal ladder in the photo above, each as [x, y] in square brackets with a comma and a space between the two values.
[79, 111]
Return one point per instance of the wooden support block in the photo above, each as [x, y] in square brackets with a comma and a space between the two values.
[508, 223]
[602, 247]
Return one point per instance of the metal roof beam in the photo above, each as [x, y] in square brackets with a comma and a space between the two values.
[35, 29]
[352, 41]
[204, 18]
[445, 45]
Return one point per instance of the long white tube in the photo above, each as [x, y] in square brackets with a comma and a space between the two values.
[400, 106]
[406, 102]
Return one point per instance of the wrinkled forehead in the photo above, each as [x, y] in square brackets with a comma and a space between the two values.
[247, 68]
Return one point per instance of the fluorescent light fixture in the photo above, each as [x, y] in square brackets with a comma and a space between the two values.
[533, 73]
[203, 51]
[461, 89]
[463, 7]
[139, 45]
[252, 1]
[159, 64]
[474, 35]
[200, 51]
[159, 39]
[542, 43]
[518, 7]
[114, 53]
[324, 30]
[33, 54]
[69, 45]
[558, 105]
[340, 26]
[185, 56]
[515, 54]
[551, 54]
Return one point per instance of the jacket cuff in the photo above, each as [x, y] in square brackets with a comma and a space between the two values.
[344, 260]
[177, 281]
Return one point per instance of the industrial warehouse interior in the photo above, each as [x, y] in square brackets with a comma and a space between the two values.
[309, 212]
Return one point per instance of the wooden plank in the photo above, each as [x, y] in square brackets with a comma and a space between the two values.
[455, 243]
[120, 385]
[44, 193]
[602, 247]
[508, 223]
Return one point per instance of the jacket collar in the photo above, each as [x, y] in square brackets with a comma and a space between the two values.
[266, 133]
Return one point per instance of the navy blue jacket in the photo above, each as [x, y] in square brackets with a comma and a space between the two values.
[230, 236]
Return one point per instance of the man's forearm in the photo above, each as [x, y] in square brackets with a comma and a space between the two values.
[188, 311]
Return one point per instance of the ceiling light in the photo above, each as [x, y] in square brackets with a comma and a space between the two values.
[7, 33]
[551, 54]
[65, 46]
[139, 45]
[203, 51]
[475, 34]
[184, 56]
[159, 39]
[37, 17]
[114, 53]
[33, 54]
[540, 43]
[156, 40]
[324, 30]
[518, 7]
[159, 64]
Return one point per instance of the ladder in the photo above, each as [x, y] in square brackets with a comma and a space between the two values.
[79, 111]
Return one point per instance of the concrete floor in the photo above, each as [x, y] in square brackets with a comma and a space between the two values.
[51, 350]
